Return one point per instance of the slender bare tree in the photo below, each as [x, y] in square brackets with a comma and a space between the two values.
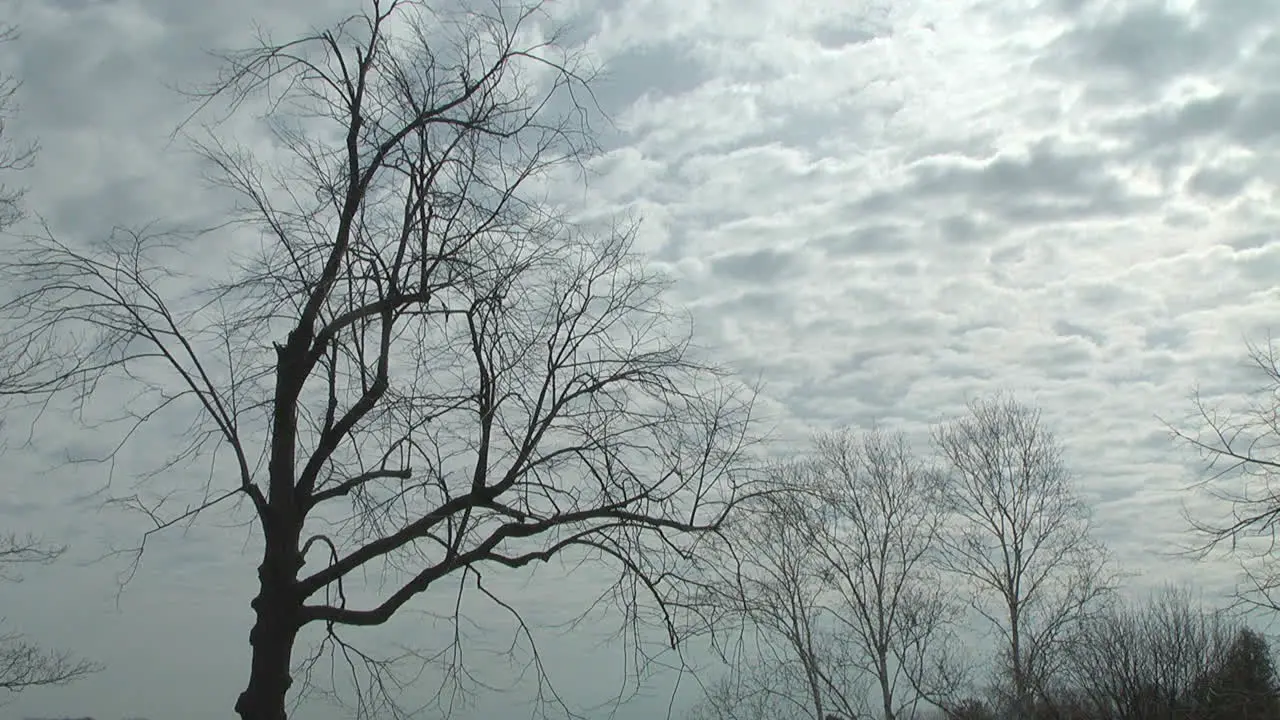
[877, 533]
[1021, 536]
[417, 368]
[1240, 447]
[835, 575]
[768, 573]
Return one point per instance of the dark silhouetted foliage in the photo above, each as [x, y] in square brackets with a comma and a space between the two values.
[1242, 687]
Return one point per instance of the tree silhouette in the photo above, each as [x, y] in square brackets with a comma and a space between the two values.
[422, 369]
[1022, 539]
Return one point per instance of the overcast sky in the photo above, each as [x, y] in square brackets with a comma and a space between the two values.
[880, 211]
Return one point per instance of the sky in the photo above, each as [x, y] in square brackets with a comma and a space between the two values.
[878, 210]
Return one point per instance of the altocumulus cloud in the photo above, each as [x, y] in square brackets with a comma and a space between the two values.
[882, 210]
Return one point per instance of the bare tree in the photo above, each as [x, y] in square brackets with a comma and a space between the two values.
[768, 573]
[1021, 536]
[878, 528]
[1240, 447]
[13, 157]
[835, 575]
[464, 382]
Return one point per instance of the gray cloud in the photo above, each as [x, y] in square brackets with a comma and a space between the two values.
[1218, 183]
[878, 239]
[758, 267]
[1066, 328]
[1149, 43]
[661, 69]
[1045, 182]
[1144, 45]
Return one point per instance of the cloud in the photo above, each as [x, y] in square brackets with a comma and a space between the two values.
[761, 267]
[1040, 183]
[1146, 43]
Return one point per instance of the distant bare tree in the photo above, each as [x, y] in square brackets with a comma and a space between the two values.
[877, 531]
[13, 156]
[768, 572]
[1240, 447]
[24, 664]
[835, 576]
[1020, 534]
[418, 369]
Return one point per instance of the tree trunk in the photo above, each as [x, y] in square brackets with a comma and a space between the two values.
[275, 629]
[815, 688]
[886, 688]
[1021, 702]
[278, 607]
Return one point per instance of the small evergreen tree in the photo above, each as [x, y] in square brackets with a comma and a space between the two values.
[1242, 686]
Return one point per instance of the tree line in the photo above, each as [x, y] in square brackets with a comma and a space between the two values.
[418, 365]
[851, 587]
